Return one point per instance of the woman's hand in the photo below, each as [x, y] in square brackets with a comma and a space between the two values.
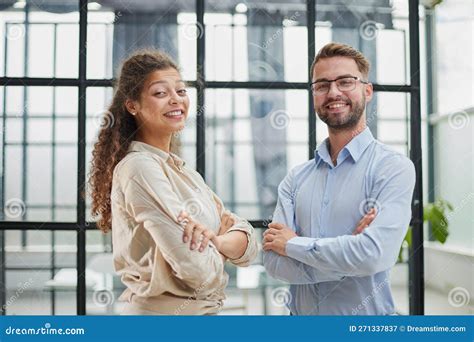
[365, 221]
[197, 233]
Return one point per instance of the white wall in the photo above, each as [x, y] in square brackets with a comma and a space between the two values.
[453, 157]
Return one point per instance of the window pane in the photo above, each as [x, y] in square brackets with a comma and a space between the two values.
[41, 39]
[256, 43]
[118, 28]
[104, 285]
[390, 122]
[377, 28]
[40, 272]
[254, 137]
[40, 153]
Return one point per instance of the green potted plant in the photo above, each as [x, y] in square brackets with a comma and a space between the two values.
[436, 214]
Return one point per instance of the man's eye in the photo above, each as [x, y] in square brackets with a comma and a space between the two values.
[345, 82]
[320, 86]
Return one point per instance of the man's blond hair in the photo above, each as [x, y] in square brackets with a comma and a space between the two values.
[343, 50]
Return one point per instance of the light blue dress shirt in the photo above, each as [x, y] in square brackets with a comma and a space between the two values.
[333, 272]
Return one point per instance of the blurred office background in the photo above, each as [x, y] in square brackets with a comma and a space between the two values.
[251, 121]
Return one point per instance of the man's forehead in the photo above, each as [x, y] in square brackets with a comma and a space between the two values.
[335, 66]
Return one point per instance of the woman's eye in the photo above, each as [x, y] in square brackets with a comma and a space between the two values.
[159, 93]
[182, 91]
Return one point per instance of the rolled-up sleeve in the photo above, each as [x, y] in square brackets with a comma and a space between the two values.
[150, 200]
[240, 225]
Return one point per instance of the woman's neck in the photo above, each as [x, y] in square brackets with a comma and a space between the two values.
[162, 142]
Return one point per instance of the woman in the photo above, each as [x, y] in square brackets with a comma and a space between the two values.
[170, 261]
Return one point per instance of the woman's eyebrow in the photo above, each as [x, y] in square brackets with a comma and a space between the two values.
[163, 82]
[157, 82]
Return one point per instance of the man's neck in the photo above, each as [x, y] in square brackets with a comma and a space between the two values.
[340, 138]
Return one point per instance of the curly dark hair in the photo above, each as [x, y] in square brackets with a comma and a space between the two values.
[115, 137]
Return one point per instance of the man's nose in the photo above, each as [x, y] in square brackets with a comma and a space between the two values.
[333, 90]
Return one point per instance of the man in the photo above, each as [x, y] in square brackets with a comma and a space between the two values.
[311, 242]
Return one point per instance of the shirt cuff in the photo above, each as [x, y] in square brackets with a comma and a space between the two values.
[244, 259]
[250, 252]
[297, 247]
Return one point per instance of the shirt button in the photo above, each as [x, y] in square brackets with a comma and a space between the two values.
[326, 201]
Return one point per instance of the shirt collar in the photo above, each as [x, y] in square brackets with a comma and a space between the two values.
[322, 153]
[359, 143]
[138, 146]
[354, 148]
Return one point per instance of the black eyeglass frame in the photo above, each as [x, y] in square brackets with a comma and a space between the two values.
[335, 80]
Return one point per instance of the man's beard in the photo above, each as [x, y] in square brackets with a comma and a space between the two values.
[350, 120]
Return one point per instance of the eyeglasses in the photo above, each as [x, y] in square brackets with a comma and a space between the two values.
[344, 83]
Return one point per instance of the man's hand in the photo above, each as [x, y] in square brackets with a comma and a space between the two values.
[276, 237]
[365, 221]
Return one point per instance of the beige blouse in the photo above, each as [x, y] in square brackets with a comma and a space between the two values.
[163, 276]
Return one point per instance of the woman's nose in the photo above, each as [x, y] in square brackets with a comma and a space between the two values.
[175, 98]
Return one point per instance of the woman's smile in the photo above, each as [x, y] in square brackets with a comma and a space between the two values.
[175, 115]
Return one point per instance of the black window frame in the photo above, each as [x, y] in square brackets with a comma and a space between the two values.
[416, 258]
